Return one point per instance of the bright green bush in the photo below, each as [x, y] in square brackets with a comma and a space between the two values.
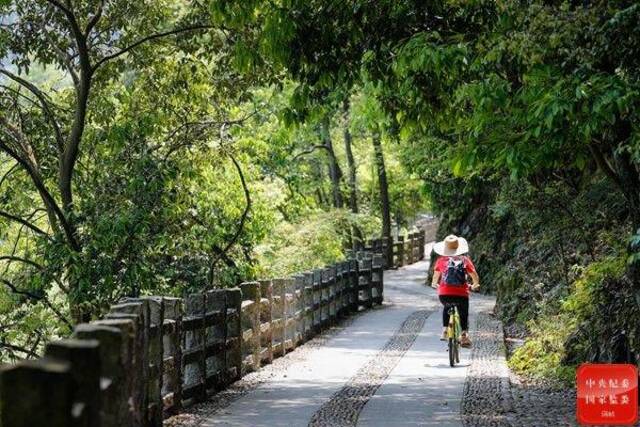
[544, 354]
[315, 241]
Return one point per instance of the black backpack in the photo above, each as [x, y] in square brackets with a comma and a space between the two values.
[455, 274]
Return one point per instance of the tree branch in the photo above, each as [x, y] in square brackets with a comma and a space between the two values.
[243, 219]
[96, 17]
[19, 349]
[44, 193]
[60, 6]
[66, 59]
[19, 94]
[38, 298]
[82, 87]
[205, 124]
[9, 172]
[311, 150]
[13, 251]
[71, 18]
[23, 222]
[149, 38]
[22, 260]
[44, 103]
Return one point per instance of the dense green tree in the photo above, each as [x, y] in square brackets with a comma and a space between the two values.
[44, 132]
[106, 107]
[487, 98]
[521, 88]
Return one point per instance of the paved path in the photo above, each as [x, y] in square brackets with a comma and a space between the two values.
[386, 367]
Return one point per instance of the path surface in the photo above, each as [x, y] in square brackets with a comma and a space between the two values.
[384, 367]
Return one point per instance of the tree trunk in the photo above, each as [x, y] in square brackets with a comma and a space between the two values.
[318, 175]
[335, 173]
[384, 195]
[353, 183]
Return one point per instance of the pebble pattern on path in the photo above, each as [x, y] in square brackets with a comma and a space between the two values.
[495, 397]
[486, 396]
[536, 405]
[344, 407]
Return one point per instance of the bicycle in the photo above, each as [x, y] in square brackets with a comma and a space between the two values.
[454, 331]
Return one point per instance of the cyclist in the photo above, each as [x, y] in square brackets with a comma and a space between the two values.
[450, 278]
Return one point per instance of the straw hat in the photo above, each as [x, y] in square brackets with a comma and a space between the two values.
[452, 245]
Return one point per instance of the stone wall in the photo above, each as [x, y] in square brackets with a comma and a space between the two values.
[150, 356]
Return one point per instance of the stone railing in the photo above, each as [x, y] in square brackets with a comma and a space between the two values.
[150, 356]
[405, 251]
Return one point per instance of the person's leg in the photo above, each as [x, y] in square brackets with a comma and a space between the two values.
[445, 300]
[463, 309]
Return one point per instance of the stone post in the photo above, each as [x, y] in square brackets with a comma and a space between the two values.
[215, 338]
[324, 301]
[415, 239]
[266, 329]
[339, 290]
[116, 350]
[154, 359]
[112, 355]
[317, 301]
[308, 305]
[233, 350]
[83, 357]
[333, 308]
[377, 275]
[354, 289]
[193, 349]
[298, 283]
[172, 356]
[399, 248]
[290, 314]
[407, 251]
[384, 250]
[344, 288]
[250, 326]
[36, 393]
[138, 312]
[278, 318]
[364, 284]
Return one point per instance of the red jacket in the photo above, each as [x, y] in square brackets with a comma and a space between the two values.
[454, 290]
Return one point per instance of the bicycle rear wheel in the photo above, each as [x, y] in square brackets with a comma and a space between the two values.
[453, 350]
